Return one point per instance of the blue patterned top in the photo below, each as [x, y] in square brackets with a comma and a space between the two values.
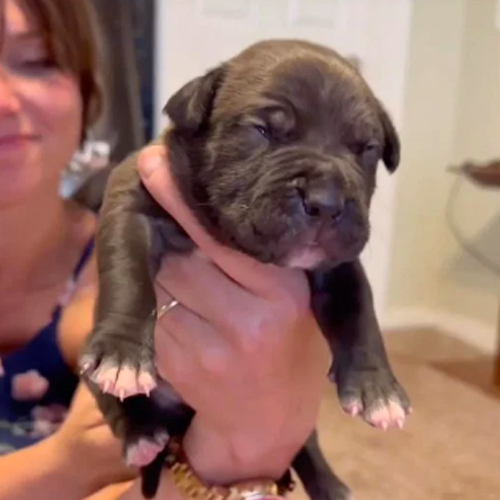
[23, 423]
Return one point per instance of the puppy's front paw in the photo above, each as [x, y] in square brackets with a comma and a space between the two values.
[119, 367]
[375, 395]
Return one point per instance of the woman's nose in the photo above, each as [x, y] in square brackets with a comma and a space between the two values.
[9, 100]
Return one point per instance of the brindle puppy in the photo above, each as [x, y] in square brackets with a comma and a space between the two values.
[275, 151]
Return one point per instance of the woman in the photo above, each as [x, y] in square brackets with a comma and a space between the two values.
[48, 96]
[255, 380]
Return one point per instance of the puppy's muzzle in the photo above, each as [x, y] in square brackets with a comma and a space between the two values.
[324, 200]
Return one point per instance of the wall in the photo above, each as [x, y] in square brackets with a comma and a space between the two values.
[467, 288]
[450, 115]
[427, 144]
[194, 35]
[450, 87]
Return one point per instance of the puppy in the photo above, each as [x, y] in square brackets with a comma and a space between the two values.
[275, 151]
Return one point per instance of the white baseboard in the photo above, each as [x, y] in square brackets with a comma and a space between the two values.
[484, 337]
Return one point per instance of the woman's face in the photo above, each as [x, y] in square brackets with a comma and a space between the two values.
[40, 111]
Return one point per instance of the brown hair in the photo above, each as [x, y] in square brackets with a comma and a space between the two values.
[69, 28]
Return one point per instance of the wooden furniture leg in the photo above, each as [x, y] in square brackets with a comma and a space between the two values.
[497, 361]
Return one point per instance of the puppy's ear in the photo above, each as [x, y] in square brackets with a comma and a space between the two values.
[392, 148]
[190, 106]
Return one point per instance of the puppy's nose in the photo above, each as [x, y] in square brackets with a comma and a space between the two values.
[323, 200]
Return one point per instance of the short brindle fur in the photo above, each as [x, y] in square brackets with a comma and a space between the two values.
[275, 151]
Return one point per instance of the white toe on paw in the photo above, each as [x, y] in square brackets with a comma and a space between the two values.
[388, 415]
[398, 414]
[145, 450]
[145, 382]
[142, 453]
[353, 408]
[105, 377]
[122, 381]
[126, 382]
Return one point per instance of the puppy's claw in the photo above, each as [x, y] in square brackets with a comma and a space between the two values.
[122, 381]
[146, 382]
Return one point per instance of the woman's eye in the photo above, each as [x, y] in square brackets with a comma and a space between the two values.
[43, 62]
[31, 58]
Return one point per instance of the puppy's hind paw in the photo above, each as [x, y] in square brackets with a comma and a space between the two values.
[145, 449]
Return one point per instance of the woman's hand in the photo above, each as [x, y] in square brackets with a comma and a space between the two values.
[85, 442]
[242, 348]
[81, 458]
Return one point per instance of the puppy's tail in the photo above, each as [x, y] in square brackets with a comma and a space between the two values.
[151, 473]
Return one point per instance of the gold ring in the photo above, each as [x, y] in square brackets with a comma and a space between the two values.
[165, 308]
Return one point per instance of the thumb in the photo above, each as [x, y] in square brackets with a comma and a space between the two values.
[151, 160]
[156, 175]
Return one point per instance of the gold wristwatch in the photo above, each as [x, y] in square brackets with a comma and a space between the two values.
[193, 488]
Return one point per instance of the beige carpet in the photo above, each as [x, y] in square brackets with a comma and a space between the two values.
[448, 450]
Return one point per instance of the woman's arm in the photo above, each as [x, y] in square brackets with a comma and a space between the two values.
[81, 458]
[254, 372]
[220, 459]
[41, 472]
[113, 492]
[77, 318]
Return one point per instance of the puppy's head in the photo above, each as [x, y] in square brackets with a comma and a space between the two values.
[276, 152]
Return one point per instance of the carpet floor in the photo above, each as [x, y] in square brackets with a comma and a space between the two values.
[449, 448]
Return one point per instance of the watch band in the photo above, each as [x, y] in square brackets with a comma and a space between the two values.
[193, 488]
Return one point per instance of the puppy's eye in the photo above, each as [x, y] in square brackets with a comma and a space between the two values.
[264, 131]
[369, 152]
[370, 147]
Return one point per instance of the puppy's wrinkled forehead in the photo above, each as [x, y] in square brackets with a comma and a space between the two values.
[308, 92]
[294, 86]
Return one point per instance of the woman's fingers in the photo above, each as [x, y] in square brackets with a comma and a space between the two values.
[184, 340]
[202, 287]
[264, 280]
[241, 318]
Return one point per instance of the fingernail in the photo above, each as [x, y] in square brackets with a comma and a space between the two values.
[149, 166]
[149, 161]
